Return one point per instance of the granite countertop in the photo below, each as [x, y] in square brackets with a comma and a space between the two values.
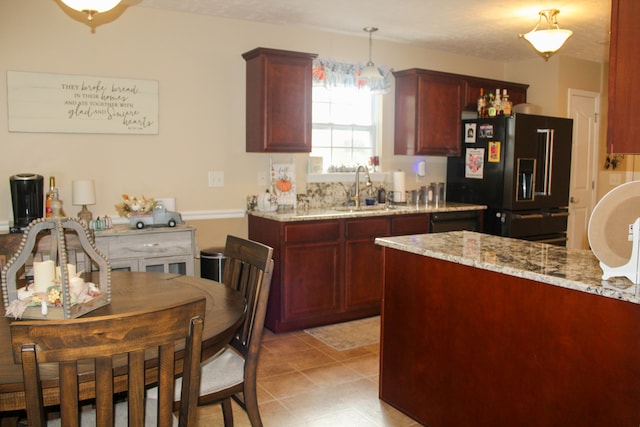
[364, 211]
[569, 268]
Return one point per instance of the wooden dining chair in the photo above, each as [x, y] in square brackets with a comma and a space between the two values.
[232, 372]
[107, 340]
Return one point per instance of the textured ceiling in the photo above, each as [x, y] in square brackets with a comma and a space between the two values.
[483, 28]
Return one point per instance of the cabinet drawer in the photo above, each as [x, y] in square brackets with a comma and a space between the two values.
[312, 232]
[410, 224]
[370, 227]
[142, 246]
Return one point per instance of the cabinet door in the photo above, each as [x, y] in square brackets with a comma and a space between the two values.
[125, 264]
[427, 113]
[311, 277]
[311, 280]
[278, 101]
[176, 265]
[363, 262]
[624, 90]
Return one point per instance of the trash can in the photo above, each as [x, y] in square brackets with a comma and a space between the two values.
[212, 263]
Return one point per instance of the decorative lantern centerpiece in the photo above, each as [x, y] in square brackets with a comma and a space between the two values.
[56, 289]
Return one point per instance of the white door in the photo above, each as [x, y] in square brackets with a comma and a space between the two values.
[584, 110]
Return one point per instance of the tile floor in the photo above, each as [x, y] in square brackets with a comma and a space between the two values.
[304, 383]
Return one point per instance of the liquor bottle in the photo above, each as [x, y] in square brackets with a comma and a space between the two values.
[497, 102]
[482, 105]
[491, 105]
[50, 195]
[506, 104]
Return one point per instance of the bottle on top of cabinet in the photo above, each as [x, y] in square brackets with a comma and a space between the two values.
[482, 105]
[506, 104]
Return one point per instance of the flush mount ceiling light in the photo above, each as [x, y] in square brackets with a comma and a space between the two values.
[370, 71]
[547, 38]
[91, 7]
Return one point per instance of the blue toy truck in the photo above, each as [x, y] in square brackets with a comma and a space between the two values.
[158, 217]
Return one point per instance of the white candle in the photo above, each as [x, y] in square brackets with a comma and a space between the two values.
[44, 274]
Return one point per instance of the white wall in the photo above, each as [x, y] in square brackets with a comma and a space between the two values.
[197, 62]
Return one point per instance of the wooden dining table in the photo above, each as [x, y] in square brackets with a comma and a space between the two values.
[130, 291]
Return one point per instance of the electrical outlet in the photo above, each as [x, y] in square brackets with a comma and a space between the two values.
[216, 179]
[262, 179]
[615, 178]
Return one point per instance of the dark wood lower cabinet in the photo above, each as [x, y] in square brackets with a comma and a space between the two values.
[327, 271]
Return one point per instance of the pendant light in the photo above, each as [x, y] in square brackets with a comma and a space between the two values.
[91, 7]
[370, 71]
[549, 39]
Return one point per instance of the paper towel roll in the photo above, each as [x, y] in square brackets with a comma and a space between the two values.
[398, 186]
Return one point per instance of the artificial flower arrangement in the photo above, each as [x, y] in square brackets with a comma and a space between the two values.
[131, 205]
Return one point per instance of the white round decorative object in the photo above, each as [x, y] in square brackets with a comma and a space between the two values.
[610, 237]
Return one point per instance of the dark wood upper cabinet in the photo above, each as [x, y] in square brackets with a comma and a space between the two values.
[427, 113]
[429, 105]
[278, 101]
[624, 90]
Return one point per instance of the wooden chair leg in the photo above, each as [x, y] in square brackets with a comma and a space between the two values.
[251, 403]
[227, 412]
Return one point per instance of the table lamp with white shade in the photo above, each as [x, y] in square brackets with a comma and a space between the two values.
[83, 192]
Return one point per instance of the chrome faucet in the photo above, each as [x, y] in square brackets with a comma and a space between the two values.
[366, 171]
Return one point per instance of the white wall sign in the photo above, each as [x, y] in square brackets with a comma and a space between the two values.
[42, 102]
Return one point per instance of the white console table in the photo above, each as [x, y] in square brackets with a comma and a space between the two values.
[152, 249]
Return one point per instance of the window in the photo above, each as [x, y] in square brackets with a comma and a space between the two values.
[345, 127]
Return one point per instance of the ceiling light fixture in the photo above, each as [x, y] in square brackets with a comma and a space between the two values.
[547, 40]
[370, 71]
[91, 7]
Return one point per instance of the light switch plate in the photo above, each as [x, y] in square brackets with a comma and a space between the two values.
[216, 179]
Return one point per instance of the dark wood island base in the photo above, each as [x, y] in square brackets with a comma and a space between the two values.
[465, 346]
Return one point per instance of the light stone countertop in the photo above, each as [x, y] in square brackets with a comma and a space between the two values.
[363, 211]
[554, 265]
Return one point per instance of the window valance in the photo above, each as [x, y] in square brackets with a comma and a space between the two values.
[331, 73]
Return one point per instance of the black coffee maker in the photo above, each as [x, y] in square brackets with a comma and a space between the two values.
[28, 199]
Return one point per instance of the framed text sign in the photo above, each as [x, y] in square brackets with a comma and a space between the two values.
[42, 102]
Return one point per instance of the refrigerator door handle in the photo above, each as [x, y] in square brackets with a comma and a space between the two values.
[557, 214]
[527, 216]
[545, 160]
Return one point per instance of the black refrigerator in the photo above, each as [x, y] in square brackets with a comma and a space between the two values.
[519, 166]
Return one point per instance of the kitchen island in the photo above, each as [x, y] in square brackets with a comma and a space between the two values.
[489, 331]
